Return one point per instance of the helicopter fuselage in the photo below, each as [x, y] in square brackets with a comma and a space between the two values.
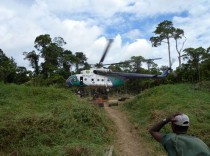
[89, 78]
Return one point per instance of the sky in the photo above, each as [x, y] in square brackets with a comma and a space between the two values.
[86, 25]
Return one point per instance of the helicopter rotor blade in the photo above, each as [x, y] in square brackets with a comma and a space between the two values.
[117, 63]
[130, 61]
[106, 50]
[145, 60]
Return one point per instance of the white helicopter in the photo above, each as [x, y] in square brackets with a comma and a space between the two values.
[102, 77]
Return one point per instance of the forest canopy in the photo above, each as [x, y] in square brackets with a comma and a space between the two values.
[59, 63]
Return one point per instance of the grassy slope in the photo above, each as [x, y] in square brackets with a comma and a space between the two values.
[157, 103]
[50, 121]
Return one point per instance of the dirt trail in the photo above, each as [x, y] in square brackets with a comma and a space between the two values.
[127, 141]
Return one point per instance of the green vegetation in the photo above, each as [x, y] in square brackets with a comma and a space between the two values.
[50, 121]
[52, 64]
[157, 103]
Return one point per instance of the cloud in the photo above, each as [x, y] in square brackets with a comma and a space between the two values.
[85, 26]
[132, 35]
[118, 52]
[100, 8]
[196, 29]
[121, 52]
[150, 8]
[79, 34]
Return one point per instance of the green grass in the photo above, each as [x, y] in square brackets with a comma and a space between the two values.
[49, 121]
[157, 103]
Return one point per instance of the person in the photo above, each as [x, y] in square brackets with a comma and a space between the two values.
[179, 143]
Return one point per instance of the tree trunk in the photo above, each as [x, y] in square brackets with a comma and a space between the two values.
[179, 54]
[169, 52]
[36, 67]
[179, 51]
[179, 57]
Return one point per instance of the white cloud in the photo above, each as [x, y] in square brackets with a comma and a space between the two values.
[196, 29]
[6, 14]
[100, 8]
[153, 8]
[133, 34]
[83, 25]
[78, 34]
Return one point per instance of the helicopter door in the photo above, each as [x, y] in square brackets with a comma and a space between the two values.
[81, 80]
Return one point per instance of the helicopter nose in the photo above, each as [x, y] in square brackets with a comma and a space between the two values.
[68, 83]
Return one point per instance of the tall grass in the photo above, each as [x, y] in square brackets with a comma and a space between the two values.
[50, 121]
[157, 103]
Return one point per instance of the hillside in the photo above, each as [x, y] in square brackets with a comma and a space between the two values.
[154, 104]
[50, 121]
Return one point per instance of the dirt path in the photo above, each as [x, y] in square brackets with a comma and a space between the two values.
[127, 141]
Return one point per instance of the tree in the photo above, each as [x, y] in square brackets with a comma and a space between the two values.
[125, 66]
[194, 57]
[21, 75]
[42, 41]
[152, 67]
[34, 60]
[51, 51]
[150, 64]
[115, 68]
[178, 34]
[7, 68]
[164, 32]
[205, 64]
[59, 41]
[137, 62]
[80, 60]
[66, 61]
[68, 58]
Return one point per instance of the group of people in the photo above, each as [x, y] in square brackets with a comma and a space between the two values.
[179, 143]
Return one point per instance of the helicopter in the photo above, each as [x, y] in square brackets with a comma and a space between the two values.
[99, 76]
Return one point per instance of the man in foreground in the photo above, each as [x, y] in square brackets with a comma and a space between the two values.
[179, 143]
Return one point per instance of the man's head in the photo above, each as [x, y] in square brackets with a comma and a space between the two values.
[180, 123]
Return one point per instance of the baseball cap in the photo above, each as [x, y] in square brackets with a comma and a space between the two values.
[182, 120]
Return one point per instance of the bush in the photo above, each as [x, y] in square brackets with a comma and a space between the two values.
[55, 80]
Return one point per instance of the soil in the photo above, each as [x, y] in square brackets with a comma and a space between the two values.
[127, 142]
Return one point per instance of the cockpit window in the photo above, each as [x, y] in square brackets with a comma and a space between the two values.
[73, 79]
